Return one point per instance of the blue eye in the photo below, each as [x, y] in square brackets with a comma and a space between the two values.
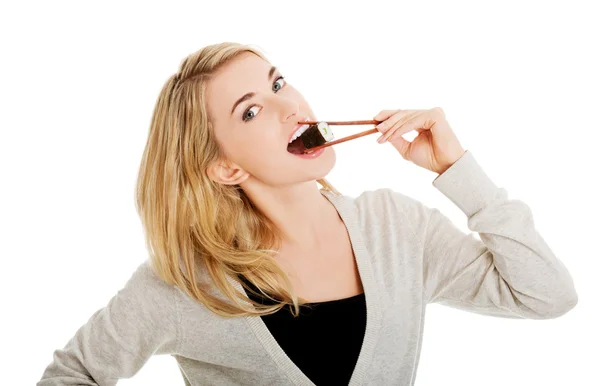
[277, 82]
[248, 114]
[277, 85]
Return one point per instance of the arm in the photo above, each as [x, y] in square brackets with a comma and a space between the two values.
[511, 272]
[139, 321]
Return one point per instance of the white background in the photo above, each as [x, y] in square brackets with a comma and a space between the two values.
[518, 81]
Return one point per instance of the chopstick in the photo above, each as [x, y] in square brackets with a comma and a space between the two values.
[348, 138]
[371, 122]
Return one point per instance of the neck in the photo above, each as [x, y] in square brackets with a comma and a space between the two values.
[299, 211]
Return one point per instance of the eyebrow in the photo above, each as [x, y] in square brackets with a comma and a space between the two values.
[249, 95]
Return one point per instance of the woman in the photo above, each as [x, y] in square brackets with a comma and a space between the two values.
[259, 277]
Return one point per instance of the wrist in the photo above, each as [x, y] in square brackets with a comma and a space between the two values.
[452, 161]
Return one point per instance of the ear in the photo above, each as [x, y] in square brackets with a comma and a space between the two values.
[226, 173]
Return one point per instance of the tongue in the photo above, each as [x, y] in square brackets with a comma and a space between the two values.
[296, 147]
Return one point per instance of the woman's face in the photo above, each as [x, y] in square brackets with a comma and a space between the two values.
[254, 112]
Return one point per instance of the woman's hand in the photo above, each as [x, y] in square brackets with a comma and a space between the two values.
[435, 147]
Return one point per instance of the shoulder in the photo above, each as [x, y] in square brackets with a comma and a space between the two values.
[146, 277]
[147, 293]
[385, 203]
[386, 211]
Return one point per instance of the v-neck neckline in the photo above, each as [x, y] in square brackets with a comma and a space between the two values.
[348, 212]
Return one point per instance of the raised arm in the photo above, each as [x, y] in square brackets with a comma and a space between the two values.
[511, 272]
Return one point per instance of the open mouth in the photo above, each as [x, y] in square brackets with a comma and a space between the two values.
[314, 135]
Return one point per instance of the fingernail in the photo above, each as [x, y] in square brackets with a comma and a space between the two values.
[380, 139]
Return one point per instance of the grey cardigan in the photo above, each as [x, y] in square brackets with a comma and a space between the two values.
[408, 255]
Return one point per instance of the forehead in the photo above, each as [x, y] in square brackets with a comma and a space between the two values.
[245, 73]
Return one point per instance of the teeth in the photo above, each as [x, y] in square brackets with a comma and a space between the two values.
[299, 132]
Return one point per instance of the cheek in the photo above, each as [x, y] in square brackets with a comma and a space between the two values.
[257, 150]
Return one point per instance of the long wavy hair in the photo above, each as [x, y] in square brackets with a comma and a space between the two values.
[191, 222]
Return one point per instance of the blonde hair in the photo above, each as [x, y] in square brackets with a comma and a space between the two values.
[191, 221]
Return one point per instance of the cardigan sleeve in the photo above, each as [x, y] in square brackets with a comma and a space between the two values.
[510, 271]
[139, 321]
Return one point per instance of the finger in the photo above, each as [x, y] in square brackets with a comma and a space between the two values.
[419, 123]
[398, 124]
[385, 114]
[387, 124]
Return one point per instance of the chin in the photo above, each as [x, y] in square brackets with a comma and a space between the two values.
[325, 164]
[311, 169]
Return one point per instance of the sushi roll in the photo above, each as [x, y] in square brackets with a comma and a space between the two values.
[315, 135]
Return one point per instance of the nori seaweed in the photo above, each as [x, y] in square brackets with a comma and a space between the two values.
[312, 137]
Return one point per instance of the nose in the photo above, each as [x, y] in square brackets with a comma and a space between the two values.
[289, 108]
[295, 114]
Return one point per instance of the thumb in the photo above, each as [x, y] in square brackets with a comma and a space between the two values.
[402, 145]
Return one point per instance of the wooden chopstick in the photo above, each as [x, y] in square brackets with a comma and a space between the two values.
[371, 122]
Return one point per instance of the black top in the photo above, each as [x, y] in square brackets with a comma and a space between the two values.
[324, 341]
